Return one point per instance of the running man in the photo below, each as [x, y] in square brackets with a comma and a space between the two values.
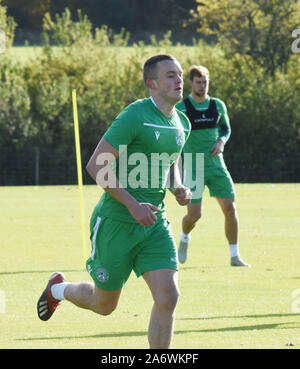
[210, 131]
[129, 229]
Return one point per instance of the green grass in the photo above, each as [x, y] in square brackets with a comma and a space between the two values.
[219, 307]
[23, 54]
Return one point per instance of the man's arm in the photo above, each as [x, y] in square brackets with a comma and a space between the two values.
[99, 168]
[224, 131]
[183, 194]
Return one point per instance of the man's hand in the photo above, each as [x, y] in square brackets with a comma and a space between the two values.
[143, 213]
[183, 195]
[217, 148]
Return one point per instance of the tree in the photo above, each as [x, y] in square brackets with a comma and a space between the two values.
[7, 28]
[28, 11]
[141, 18]
[261, 29]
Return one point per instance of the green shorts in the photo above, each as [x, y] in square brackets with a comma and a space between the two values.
[120, 247]
[219, 182]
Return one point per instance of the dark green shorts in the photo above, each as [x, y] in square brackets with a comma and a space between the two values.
[219, 183]
[120, 247]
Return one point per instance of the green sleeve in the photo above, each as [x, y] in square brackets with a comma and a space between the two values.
[124, 128]
[224, 122]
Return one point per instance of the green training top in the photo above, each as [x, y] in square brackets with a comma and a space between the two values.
[202, 140]
[149, 143]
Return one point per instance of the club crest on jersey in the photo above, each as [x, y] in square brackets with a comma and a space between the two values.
[179, 138]
[157, 134]
[102, 275]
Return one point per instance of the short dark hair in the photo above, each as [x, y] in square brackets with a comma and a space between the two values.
[151, 64]
[198, 71]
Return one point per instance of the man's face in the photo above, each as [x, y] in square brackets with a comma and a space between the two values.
[169, 82]
[200, 86]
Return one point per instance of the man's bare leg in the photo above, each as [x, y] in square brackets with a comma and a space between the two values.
[84, 295]
[88, 296]
[228, 207]
[194, 212]
[189, 221]
[164, 288]
[231, 219]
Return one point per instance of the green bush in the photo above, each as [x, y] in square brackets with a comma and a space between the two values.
[36, 104]
[15, 113]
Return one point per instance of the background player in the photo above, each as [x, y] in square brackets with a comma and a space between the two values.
[210, 132]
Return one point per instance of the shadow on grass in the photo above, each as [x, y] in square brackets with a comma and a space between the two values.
[242, 316]
[101, 335]
[40, 271]
[289, 325]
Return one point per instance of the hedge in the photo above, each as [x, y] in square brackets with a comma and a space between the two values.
[36, 106]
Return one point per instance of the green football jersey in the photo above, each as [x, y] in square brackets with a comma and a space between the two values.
[202, 140]
[149, 143]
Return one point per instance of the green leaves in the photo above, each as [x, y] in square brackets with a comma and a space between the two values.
[258, 28]
[7, 26]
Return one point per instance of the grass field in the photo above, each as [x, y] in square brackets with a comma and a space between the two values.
[219, 307]
[24, 53]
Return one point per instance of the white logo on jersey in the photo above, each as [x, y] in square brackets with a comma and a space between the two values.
[179, 138]
[157, 134]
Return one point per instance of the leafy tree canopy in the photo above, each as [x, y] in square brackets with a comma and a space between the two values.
[259, 28]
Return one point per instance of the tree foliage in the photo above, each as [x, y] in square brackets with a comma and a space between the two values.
[259, 28]
[141, 18]
[36, 106]
[7, 26]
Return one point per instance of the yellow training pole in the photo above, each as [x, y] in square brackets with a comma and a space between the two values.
[79, 174]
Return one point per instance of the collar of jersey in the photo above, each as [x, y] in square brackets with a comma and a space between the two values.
[206, 101]
[169, 119]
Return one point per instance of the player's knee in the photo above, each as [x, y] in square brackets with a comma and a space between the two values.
[167, 301]
[230, 210]
[105, 309]
[194, 217]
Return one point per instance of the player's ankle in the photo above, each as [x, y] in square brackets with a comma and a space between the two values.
[58, 290]
[185, 237]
